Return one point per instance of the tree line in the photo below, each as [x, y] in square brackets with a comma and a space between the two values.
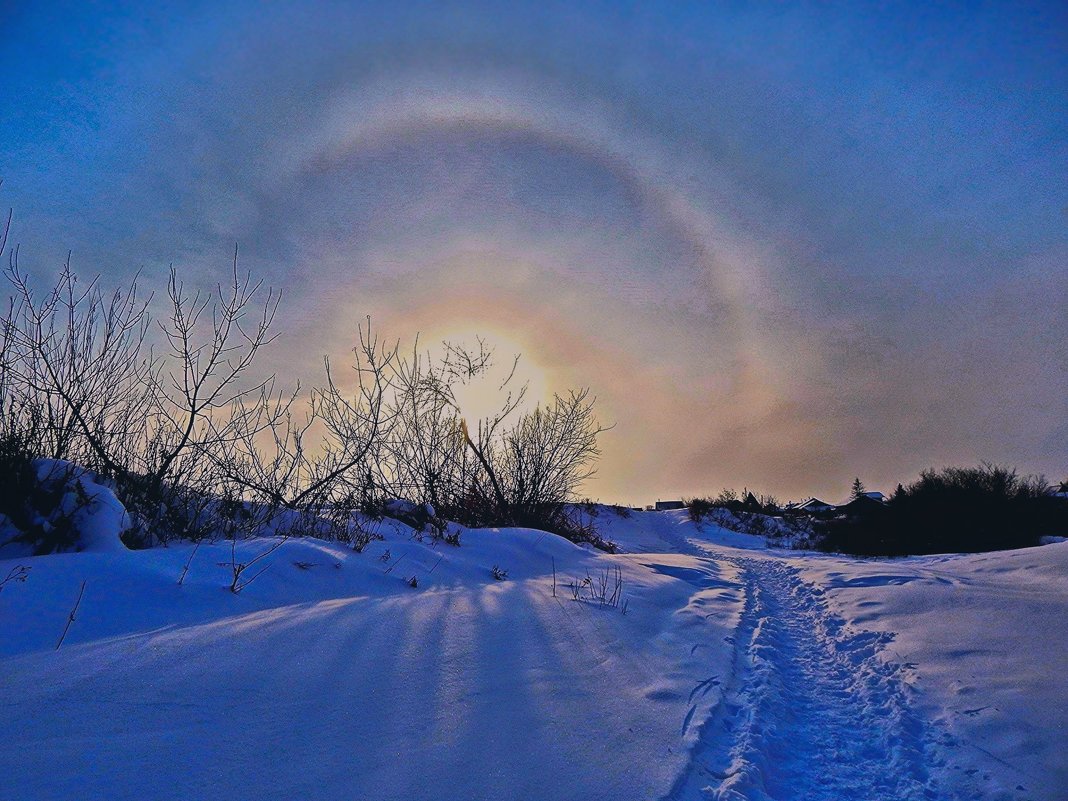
[952, 510]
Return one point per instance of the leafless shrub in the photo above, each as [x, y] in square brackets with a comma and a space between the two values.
[502, 469]
[17, 574]
[548, 454]
[604, 589]
[424, 460]
[569, 523]
[272, 457]
[149, 419]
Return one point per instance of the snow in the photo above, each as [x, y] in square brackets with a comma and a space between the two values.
[737, 672]
[85, 503]
[668, 532]
[987, 636]
[342, 681]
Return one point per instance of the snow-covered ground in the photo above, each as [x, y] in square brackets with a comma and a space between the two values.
[735, 672]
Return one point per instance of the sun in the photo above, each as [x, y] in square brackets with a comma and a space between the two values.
[483, 396]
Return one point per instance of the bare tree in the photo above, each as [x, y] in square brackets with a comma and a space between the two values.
[272, 458]
[547, 455]
[153, 421]
[80, 361]
[436, 456]
[485, 471]
[427, 457]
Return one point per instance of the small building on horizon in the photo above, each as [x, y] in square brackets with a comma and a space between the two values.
[665, 506]
[866, 502]
[813, 506]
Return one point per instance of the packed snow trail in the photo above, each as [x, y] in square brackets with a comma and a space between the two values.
[811, 712]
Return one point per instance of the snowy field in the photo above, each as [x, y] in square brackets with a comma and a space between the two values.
[725, 670]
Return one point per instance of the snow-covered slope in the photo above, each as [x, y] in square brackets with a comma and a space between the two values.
[668, 532]
[332, 678]
[736, 672]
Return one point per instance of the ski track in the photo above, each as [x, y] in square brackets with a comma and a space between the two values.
[811, 712]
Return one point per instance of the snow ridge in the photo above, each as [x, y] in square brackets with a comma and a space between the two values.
[811, 712]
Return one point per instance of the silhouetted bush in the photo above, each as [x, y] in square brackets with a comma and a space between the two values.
[953, 510]
[699, 508]
[745, 504]
[174, 414]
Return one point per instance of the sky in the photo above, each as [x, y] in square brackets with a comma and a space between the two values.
[783, 244]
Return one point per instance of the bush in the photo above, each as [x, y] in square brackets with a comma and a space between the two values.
[744, 507]
[699, 508]
[953, 510]
[175, 414]
[567, 522]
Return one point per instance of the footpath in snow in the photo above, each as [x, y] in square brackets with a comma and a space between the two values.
[811, 711]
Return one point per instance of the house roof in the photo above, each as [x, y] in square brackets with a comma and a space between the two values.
[871, 496]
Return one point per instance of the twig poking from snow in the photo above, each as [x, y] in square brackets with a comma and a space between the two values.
[70, 619]
[435, 565]
[390, 568]
[606, 589]
[188, 562]
[240, 567]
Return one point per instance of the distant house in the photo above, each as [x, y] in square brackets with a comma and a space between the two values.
[875, 496]
[865, 503]
[664, 506]
[814, 506]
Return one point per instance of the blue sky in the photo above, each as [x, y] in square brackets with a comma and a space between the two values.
[785, 245]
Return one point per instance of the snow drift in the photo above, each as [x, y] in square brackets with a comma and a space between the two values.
[736, 672]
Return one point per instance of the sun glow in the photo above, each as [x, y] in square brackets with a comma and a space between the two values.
[485, 394]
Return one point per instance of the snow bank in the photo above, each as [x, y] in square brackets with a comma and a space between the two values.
[672, 532]
[79, 513]
[331, 677]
